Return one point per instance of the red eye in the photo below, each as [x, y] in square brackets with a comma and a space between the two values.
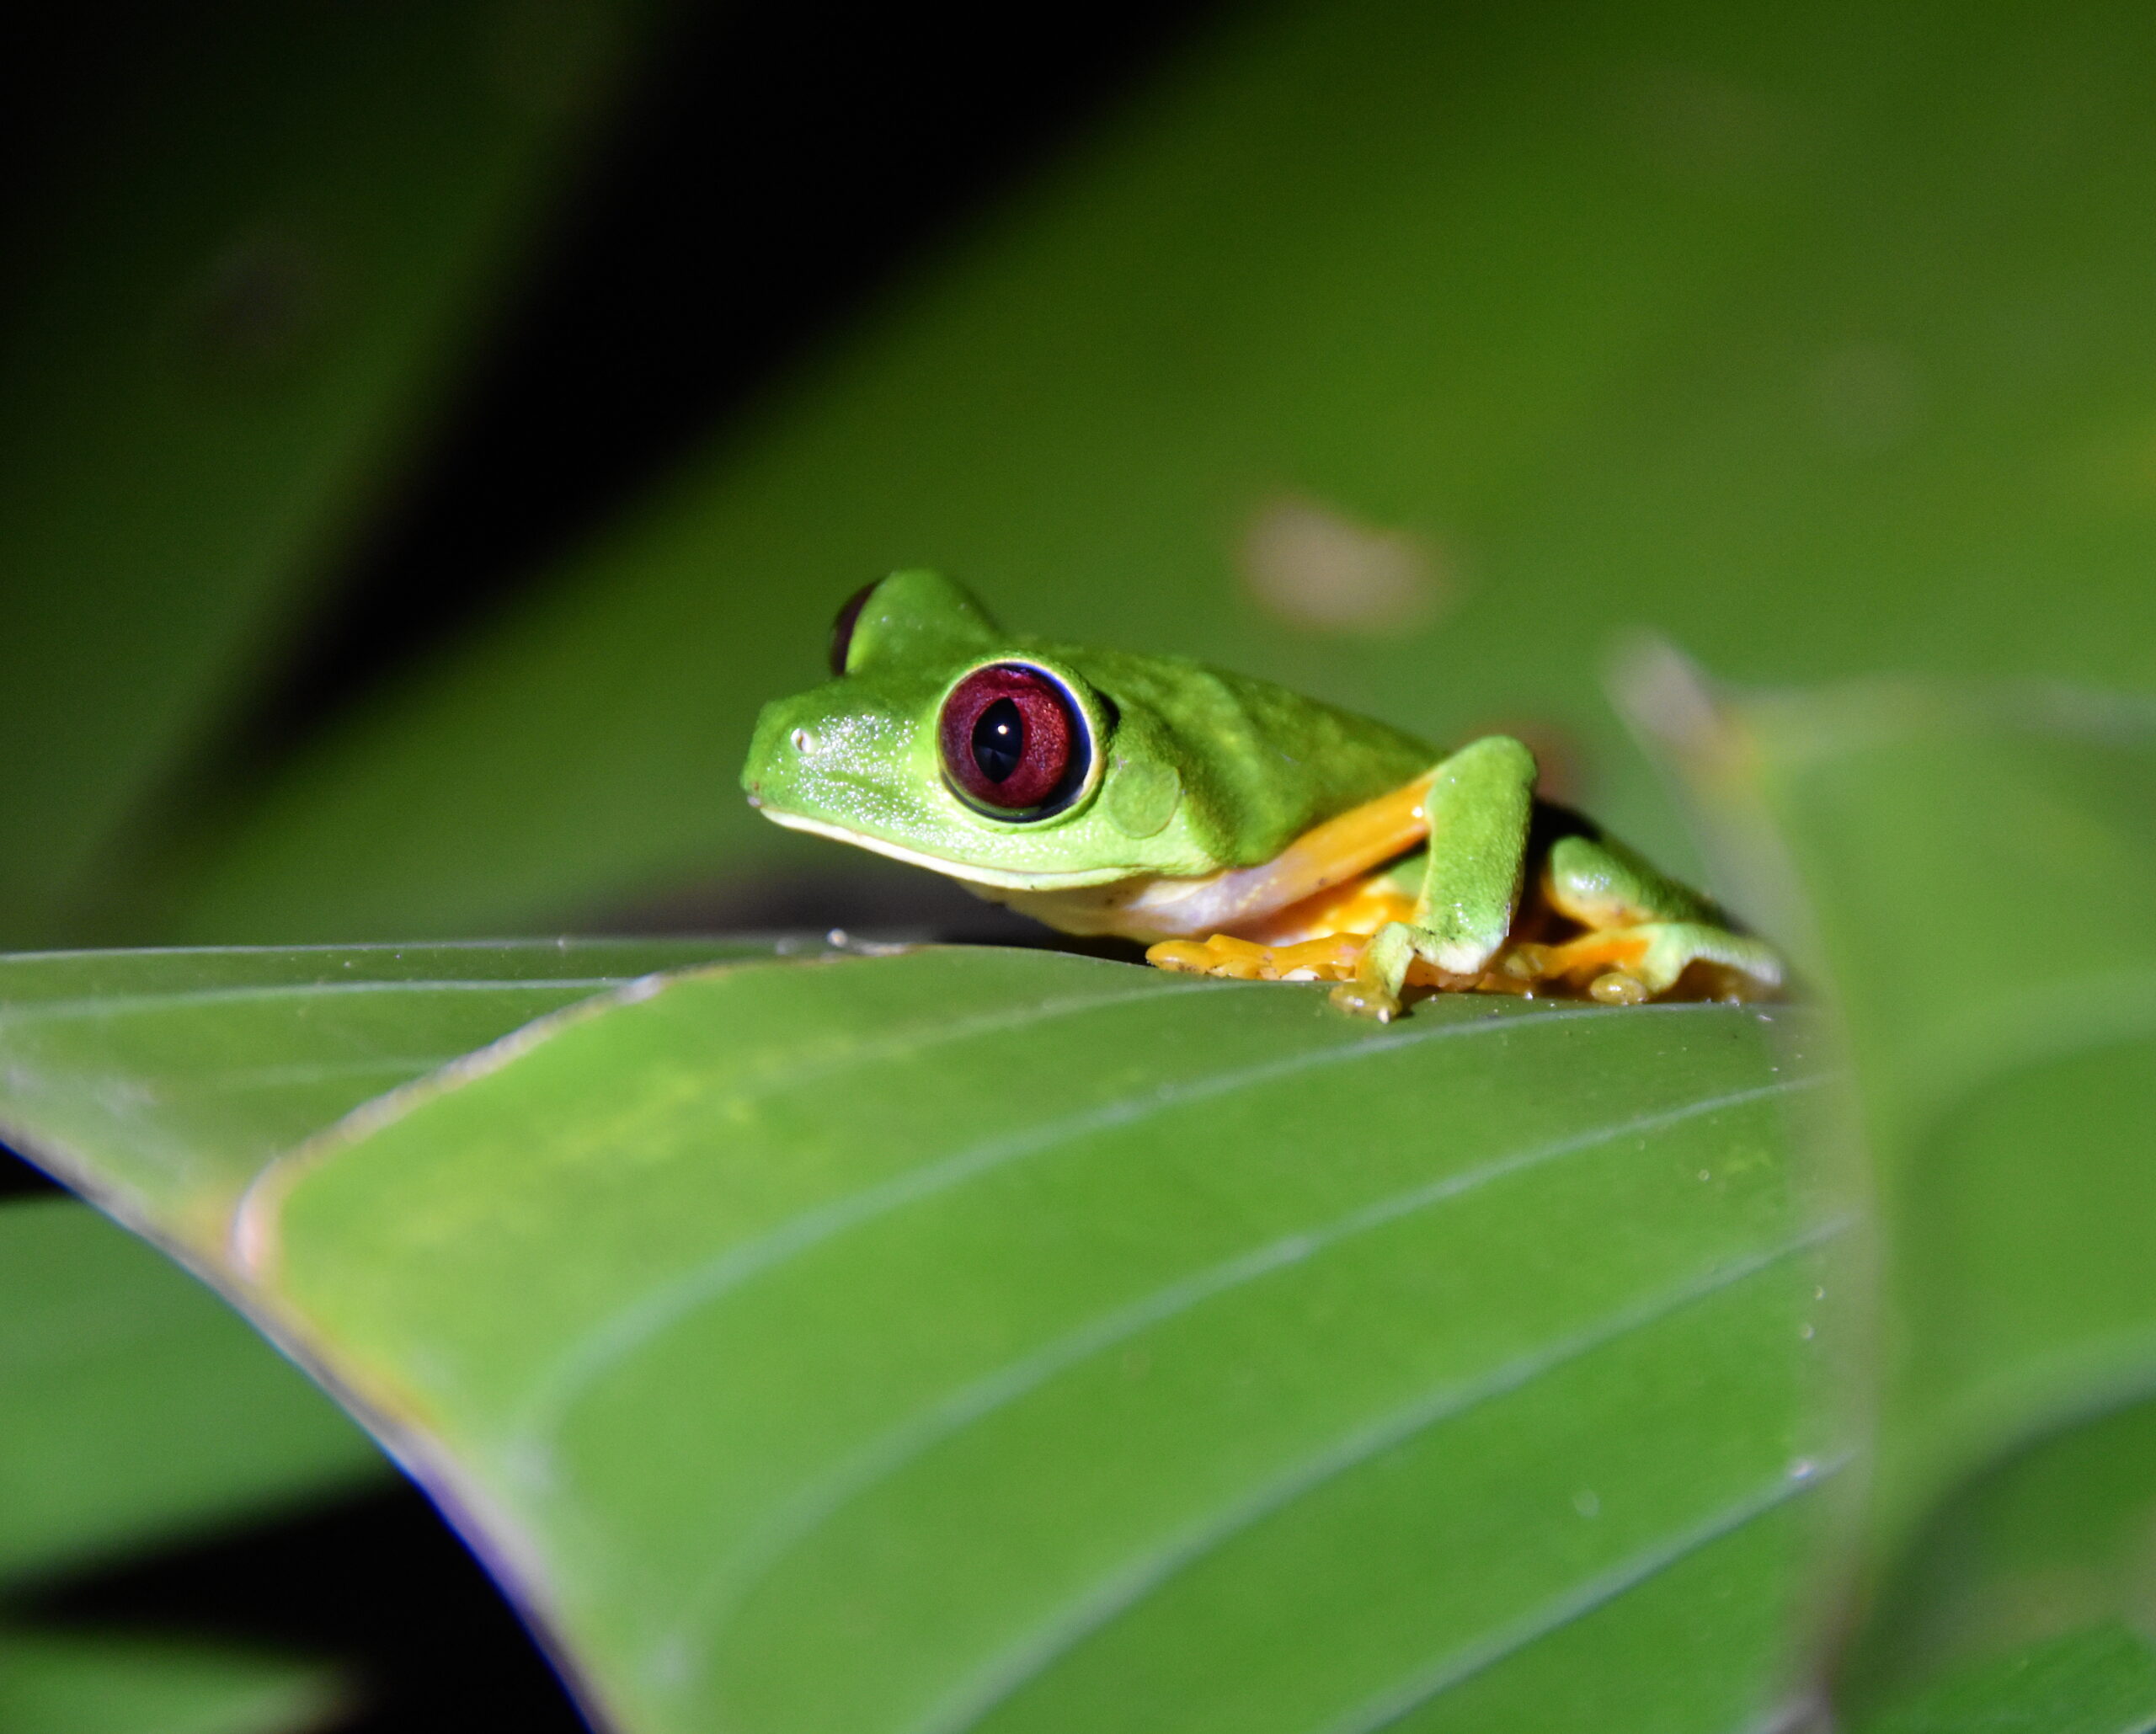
[1013, 740]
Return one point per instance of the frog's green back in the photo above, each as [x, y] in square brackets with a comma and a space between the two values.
[1260, 764]
[1197, 768]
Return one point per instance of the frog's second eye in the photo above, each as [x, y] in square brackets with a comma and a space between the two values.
[1013, 741]
[842, 625]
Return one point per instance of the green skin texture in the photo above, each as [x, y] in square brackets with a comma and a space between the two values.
[1194, 770]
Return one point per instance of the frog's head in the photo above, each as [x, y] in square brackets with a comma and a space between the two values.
[947, 742]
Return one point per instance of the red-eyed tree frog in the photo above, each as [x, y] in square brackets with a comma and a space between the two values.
[1235, 827]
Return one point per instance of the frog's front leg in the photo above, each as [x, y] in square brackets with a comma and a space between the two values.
[1479, 805]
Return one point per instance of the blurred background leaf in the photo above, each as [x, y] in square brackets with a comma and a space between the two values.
[138, 1408]
[1400, 352]
[247, 257]
[1976, 869]
[75, 1685]
[138, 1404]
[2099, 1682]
[2044, 1565]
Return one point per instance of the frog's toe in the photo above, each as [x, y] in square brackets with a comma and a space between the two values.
[1618, 987]
[1219, 955]
[1331, 958]
[1364, 999]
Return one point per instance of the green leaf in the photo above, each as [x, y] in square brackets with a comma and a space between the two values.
[982, 1338]
[252, 247]
[1975, 871]
[1771, 327]
[190, 1069]
[138, 1404]
[2097, 1682]
[73, 1685]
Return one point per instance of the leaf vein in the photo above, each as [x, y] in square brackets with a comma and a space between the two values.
[1118, 1592]
[1393, 1706]
[704, 1284]
[61, 1011]
[884, 1457]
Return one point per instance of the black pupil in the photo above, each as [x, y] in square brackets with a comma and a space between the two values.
[999, 740]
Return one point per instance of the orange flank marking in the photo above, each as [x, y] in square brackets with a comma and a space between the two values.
[1330, 858]
[1306, 915]
[1335, 855]
[1333, 860]
[1592, 951]
[1311, 908]
[1360, 906]
[1317, 939]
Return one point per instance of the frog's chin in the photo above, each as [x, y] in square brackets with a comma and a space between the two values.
[986, 878]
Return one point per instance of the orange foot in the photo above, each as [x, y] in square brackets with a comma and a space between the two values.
[1601, 963]
[1331, 958]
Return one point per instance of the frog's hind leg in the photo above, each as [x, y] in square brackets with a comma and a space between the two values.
[1644, 930]
[1625, 966]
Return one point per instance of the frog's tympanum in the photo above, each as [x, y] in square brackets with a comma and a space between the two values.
[1235, 827]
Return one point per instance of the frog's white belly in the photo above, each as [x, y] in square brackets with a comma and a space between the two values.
[1157, 906]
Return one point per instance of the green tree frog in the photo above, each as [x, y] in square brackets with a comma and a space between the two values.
[1236, 828]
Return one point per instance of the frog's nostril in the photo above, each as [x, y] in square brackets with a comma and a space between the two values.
[803, 740]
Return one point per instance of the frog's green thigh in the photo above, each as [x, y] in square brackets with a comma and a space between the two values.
[1481, 802]
[1646, 929]
[1601, 884]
